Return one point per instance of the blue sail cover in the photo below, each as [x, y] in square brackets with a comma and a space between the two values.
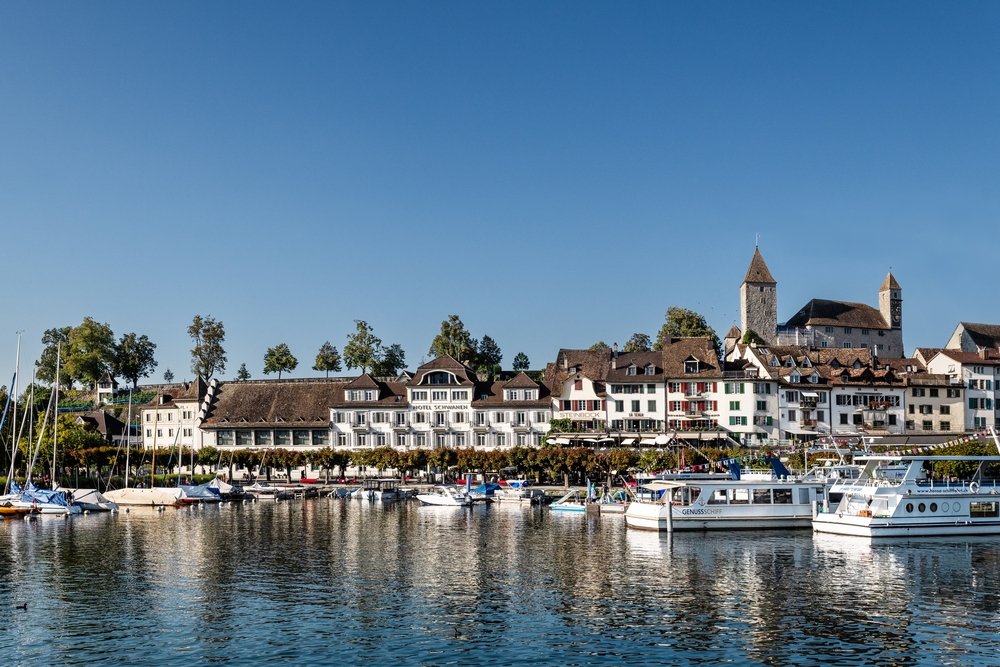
[33, 494]
[486, 489]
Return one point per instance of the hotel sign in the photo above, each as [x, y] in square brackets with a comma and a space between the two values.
[581, 415]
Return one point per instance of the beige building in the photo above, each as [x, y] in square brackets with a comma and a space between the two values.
[934, 404]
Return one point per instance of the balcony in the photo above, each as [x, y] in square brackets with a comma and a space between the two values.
[807, 423]
[808, 403]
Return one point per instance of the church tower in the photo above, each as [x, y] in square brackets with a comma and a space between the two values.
[759, 300]
[890, 302]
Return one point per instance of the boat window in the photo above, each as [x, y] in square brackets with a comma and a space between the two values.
[782, 496]
[804, 496]
[984, 509]
[718, 497]
[739, 496]
[921, 507]
[934, 507]
[762, 496]
[686, 495]
[909, 507]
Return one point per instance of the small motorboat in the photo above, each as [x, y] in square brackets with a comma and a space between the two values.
[571, 502]
[10, 510]
[447, 496]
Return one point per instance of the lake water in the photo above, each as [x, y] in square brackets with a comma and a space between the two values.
[331, 581]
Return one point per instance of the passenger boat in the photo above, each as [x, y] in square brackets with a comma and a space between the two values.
[379, 490]
[446, 496]
[753, 502]
[894, 497]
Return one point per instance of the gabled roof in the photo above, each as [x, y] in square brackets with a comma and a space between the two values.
[684, 349]
[983, 335]
[758, 271]
[362, 382]
[490, 395]
[889, 283]
[293, 403]
[640, 360]
[734, 332]
[103, 422]
[463, 374]
[821, 312]
[972, 358]
[520, 381]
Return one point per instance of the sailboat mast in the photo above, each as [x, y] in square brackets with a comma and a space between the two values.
[55, 417]
[156, 428]
[128, 435]
[13, 426]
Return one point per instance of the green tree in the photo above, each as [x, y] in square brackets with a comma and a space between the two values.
[46, 364]
[363, 347]
[600, 345]
[454, 341]
[751, 337]
[90, 351]
[208, 357]
[134, 358]
[684, 322]
[328, 359]
[390, 361]
[639, 342]
[521, 362]
[488, 356]
[242, 375]
[168, 376]
[279, 359]
[208, 457]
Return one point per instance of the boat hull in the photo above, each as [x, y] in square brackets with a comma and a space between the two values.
[900, 527]
[650, 516]
[443, 501]
[156, 496]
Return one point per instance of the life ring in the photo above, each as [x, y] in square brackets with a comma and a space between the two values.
[974, 487]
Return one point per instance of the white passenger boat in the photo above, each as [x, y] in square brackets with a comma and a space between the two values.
[379, 490]
[760, 501]
[894, 497]
[445, 495]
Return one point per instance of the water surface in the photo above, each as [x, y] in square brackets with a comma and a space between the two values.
[330, 581]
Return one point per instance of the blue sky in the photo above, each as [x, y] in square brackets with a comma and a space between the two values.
[555, 173]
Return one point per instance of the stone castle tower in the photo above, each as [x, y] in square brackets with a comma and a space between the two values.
[890, 303]
[759, 300]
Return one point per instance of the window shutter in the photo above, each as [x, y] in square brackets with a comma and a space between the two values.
[715, 387]
[604, 405]
[741, 388]
[685, 405]
[701, 387]
[590, 405]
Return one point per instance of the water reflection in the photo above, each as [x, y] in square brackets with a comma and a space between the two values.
[339, 580]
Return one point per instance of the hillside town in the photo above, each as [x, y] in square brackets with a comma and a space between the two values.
[834, 371]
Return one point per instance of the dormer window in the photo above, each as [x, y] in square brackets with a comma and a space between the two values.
[845, 378]
[794, 377]
[834, 364]
[369, 395]
[789, 363]
[774, 362]
[513, 394]
[630, 370]
[805, 362]
[857, 364]
[691, 366]
[572, 370]
[439, 378]
[814, 377]
[650, 369]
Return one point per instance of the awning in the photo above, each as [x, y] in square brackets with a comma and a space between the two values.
[628, 441]
[800, 431]
[809, 394]
[648, 441]
[559, 441]
[662, 440]
[606, 440]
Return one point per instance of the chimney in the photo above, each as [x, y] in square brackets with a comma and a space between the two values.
[982, 353]
[565, 362]
[614, 358]
[667, 340]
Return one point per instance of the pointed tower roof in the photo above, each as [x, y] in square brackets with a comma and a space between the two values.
[734, 332]
[889, 283]
[758, 272]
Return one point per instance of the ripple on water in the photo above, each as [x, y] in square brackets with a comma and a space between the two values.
[328, 580]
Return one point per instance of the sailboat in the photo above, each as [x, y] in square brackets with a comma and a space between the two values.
[156, 496]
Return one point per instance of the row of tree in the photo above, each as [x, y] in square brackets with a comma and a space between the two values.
[89, 350]
[679, 322]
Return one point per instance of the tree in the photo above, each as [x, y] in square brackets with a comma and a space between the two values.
[168, 376]
[134, 358]
[363, 347]
[454, 341]
[521, 362]
[684, 322]
[89, 352]
[488, 356]
[279, 359]
[390, 360]
[751, 337]
[208, 357]
[600, 345]
[328, 359]
[639, 342]
[242, 375]
[46, 363]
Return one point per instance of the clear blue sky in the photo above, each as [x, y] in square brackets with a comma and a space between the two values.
[555, 173]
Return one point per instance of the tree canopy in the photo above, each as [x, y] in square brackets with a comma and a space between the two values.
[363, 347]
[279, 359]
[454, 341]
[242, 375]
[639, 342]
[521, 362]
[751, 337]
[600, 345]
[134, 358]
[168, 376]
[46, 364]
[208, 356]
[488, 356]
[684, 322]
[328, 359]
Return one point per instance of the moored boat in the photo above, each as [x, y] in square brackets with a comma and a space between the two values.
[156, 496]
[444, 495]
[92, 500]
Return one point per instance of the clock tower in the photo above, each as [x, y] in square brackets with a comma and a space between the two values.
[890, 302]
